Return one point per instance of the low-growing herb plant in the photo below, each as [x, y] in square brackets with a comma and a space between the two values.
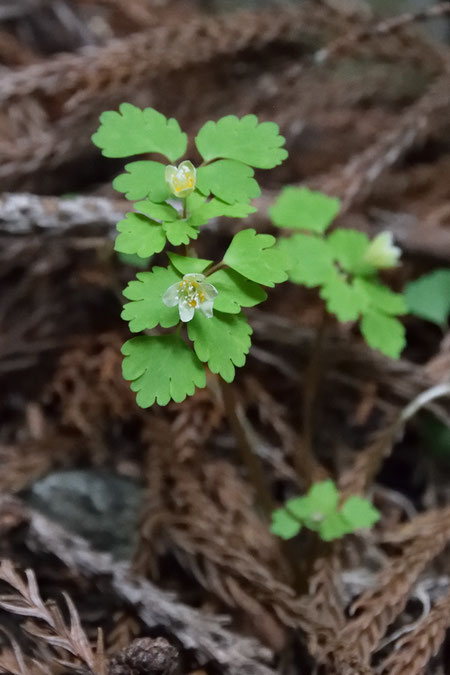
[200, 300]
[344, 264]
[319, 511]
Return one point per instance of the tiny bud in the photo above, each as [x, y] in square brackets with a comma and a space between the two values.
[382, 253]
[181, 179]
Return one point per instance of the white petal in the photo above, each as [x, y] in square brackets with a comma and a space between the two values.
[209, 291]
[170, 297]
[207, 308]
[186, 311]
[170, 173]
[193, 276]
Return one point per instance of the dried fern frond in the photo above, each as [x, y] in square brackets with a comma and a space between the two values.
[326, 600]
[383, 28]
[377, 608]
[14, 662]
[413, 651]
[27, 602]
[354, 181]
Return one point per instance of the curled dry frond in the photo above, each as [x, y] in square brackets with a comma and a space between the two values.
[378, 607]
[27, 602]
[413, 651]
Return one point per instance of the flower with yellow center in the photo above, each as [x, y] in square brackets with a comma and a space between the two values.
[381, 252]
[191, 293]
[181, 179]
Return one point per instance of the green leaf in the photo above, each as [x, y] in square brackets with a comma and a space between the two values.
[244, 140]
[162, 212]
[143, 179]
[223, 341]
[359, 513]
[381, 297]
[140, 235]
[304, 209]
[429, 296]
[161, 368]
[214, 208]
[133, 131]
[321, 500]
[228, 180]
[188, 265]
[384, 333]
[323, 497]
[349, 247]
[180, 232]
[146, 309]
[235, 291]
[133, 260]
[253, 256]
[283, 525]
[334, 526]
[343, 299]
[311, 263]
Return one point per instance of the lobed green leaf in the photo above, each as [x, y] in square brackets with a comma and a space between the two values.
[162, 212]
[133, 131]
[244, 140]
[204, 211]
[235, 291]
[143, 179]
[304, 209]
[343, 298]
[223, 341]
[283, 525]
[310, 259]
[139, 235]
[146, 309]
[384, 333]
[429, 296]
[161, 368]
[254, 256]
[359, 513]
[381, 298]
[188, 265]
[228, 180]
[349, 247]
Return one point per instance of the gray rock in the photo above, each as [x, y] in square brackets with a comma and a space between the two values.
[100, 506]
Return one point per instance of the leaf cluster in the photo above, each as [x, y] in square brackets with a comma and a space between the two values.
[335, 262]
[169, 367]
[319, 511]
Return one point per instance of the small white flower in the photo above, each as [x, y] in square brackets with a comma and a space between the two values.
[381, 251]
[181, 179]
[191, 293]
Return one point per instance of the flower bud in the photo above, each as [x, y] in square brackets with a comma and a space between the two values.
[381, 252]
[181, 179]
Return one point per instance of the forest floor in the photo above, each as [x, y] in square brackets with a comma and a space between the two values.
[146, 519]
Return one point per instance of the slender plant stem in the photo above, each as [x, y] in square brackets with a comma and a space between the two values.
[248, 457]
[214, 268]
[184, 209]
[306, 465]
